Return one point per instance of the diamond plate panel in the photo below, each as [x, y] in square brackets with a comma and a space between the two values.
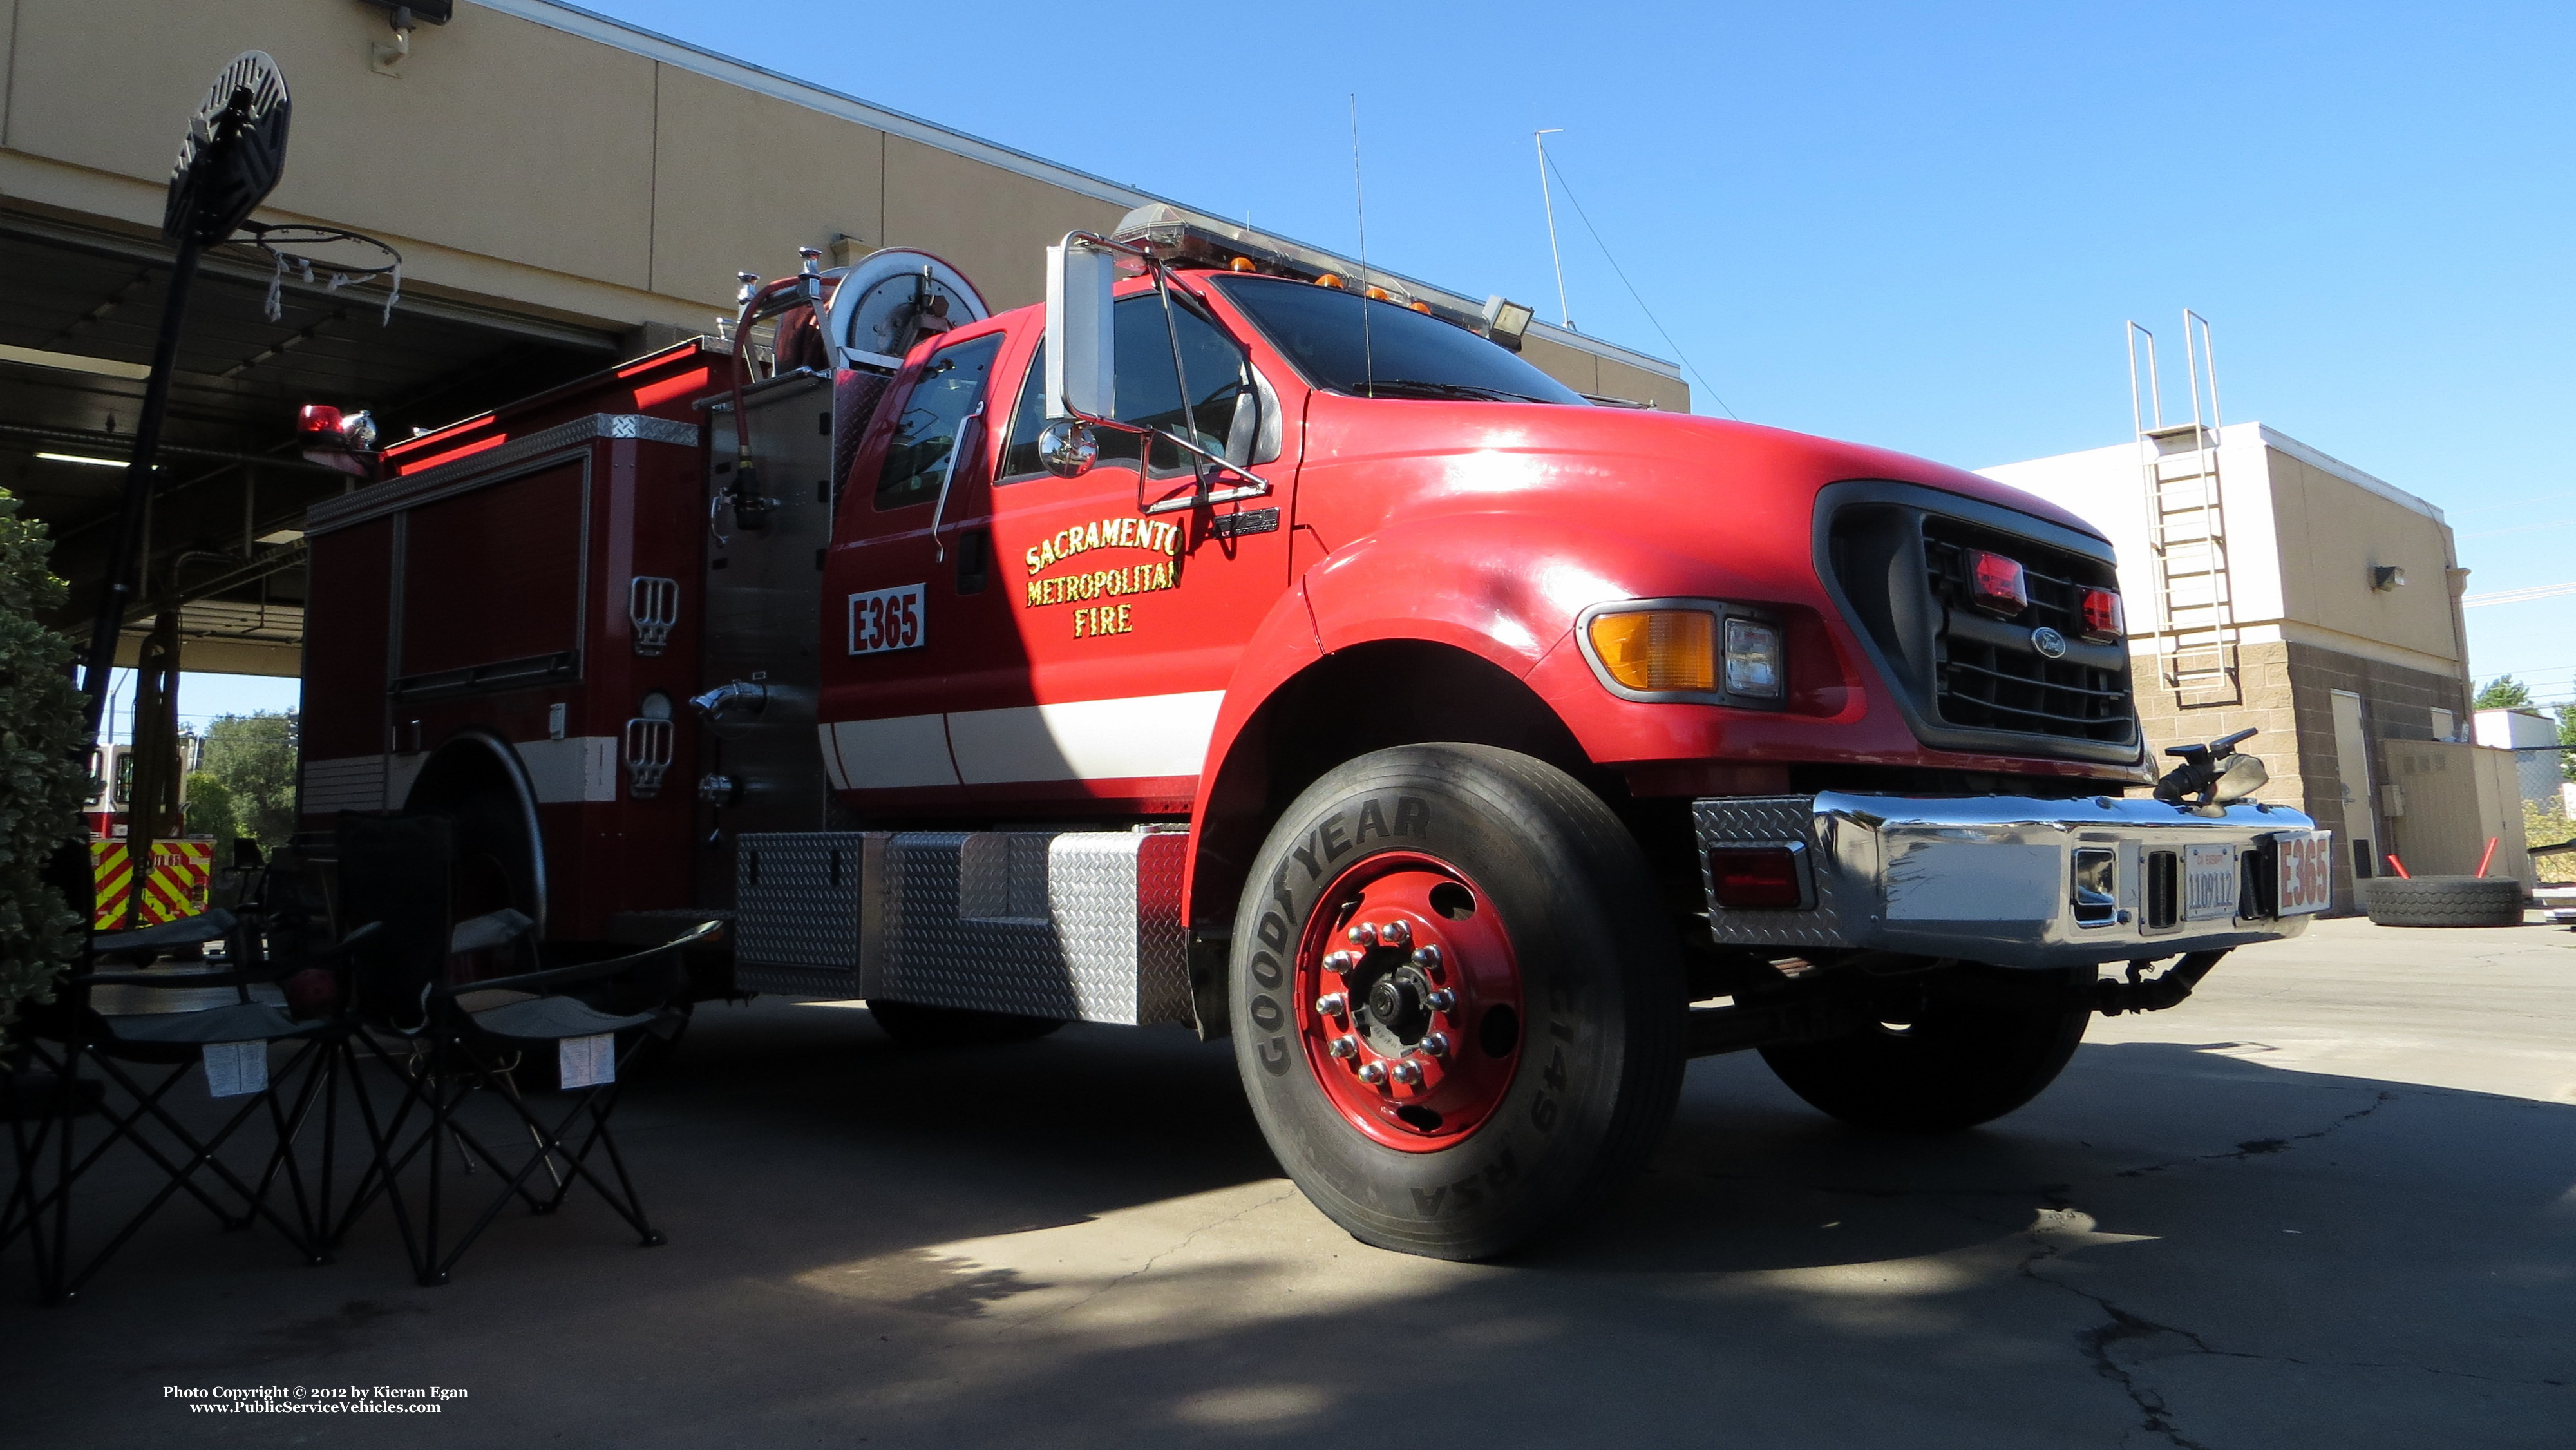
[1747, 820]
[796, 918]
[1087, 926]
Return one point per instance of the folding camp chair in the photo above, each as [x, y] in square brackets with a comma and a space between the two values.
[232, 1041]
[458, 1036]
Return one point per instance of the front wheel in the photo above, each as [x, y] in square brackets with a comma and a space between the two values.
[1456, 1007]
[1975, 1043]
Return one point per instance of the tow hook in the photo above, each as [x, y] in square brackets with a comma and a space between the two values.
[2142, 993]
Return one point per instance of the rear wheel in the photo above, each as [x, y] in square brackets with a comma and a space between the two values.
[1455, 1005]
[1977, 1043]
[916, 1025]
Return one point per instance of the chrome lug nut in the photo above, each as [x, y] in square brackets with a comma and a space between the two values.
[1441, 999]
[1332, 1004]
[1395, 934]
[1435, 1045]
[1344, 1046]
[1363, 934]
[1427, 958]
[1341, 961]
[1373, 1073]
[1409, 1073]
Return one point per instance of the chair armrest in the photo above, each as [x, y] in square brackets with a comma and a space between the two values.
[492, 929]
[583, 971]
[186, 931]
[232, 977]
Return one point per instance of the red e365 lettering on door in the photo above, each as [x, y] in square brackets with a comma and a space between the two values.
[886, 619]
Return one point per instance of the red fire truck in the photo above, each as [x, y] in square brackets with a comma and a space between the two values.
[1237, 642]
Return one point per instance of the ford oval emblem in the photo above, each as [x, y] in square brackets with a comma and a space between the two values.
[2049, 643]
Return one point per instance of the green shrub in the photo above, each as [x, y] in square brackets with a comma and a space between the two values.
[43, 785]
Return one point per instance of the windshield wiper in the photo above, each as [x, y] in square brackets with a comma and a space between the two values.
[1419, 388]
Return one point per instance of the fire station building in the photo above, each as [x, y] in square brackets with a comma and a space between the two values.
[564, 191]
[2271, 585]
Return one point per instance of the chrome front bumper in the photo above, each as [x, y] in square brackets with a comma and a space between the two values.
[1992, 878]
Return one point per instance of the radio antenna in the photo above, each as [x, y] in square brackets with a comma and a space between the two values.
[1547, 197]
[1359, 204]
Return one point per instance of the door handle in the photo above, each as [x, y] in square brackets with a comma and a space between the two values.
[971, 427]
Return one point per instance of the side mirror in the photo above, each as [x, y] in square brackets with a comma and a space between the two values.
[1067, 448]
[1081, 337]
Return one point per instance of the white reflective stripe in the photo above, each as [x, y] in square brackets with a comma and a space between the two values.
[907, 750]
[583, 768]
[1122, 739]
[831, 749]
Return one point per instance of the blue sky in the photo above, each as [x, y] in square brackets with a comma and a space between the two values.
[1915, 226]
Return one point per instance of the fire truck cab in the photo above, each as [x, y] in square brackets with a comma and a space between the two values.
[1241, 643]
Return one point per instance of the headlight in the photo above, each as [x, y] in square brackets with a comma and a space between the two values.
[1752, 658]
[1702, 650]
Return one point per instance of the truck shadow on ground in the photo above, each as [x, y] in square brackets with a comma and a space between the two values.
[1083, 1242]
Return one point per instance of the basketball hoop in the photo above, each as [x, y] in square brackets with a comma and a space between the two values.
[343, 257]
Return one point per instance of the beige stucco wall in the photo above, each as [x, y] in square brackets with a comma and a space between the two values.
[518, 164]
[2332, 533]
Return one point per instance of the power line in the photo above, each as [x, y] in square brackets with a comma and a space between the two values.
[1577, 203]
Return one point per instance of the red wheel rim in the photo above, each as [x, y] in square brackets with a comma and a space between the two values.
[1409, 1001]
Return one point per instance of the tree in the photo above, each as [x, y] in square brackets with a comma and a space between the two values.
[210, 810]
[2567, 737]
[43, 783]
[250, 759]
[2504, 692]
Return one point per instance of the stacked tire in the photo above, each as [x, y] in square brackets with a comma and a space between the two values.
[2443, 900]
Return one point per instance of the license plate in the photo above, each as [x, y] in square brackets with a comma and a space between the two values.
[2209, 883]
[887, 619]
[2307, 871]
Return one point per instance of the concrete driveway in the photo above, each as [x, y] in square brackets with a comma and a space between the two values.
[2325, 1203]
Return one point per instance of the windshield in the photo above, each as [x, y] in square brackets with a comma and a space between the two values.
[1401, 353]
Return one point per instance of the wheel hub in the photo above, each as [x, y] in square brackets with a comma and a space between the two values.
[1410, 1001]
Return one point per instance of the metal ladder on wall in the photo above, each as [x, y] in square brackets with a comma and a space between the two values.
[2195, 607]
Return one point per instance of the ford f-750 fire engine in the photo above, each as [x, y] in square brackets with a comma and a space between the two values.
[1236, 642]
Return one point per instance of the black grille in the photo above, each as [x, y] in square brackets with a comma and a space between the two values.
[1993, 678]
[1897, 556]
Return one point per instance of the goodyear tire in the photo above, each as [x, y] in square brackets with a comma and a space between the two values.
[1980, 1041]
[1485, 899]
[915, 1025]
[2443, 901]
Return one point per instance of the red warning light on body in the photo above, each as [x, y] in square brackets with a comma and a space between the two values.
[2104, 621]
[317, 418]
[1998, 583]
[1755, 878]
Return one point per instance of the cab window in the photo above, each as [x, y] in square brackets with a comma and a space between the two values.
[916, 457]
[1223, 397]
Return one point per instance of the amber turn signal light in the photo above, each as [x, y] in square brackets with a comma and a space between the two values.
[1658, 649]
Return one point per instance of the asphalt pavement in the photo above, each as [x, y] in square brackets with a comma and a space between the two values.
[2330, 1201]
